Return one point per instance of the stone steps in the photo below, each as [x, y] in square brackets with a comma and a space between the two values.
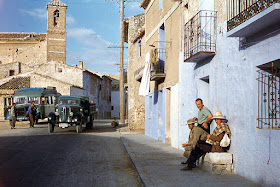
[218, 163]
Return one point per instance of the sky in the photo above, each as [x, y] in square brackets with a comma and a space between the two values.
[91, 25]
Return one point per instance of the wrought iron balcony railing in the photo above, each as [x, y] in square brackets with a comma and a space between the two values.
[157, 64]
[200, 36]
[240, 11]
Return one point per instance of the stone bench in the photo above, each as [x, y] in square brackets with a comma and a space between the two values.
[218, 163]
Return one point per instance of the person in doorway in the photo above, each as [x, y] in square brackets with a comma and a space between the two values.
[212, 144]
[204, 116]
[31, 113]
[14, 118]
[196, 134]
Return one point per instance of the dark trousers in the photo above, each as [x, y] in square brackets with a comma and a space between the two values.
[13, 121]
[207, 130]
[31, 119]
[201, 148]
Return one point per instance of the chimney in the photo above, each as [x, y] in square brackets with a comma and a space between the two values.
[81, 64]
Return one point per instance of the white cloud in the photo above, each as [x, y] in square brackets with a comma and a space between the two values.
[36, 13]
[70, 20]
[42, 14]
[93, 51]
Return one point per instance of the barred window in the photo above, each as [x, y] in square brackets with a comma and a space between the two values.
[269, 95]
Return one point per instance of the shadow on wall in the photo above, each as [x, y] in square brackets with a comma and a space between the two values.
[203, 62]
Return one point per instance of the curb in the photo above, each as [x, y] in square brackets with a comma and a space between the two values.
[125, 145]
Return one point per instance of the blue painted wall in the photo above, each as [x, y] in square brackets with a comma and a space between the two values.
[233, 90]
[155, 115]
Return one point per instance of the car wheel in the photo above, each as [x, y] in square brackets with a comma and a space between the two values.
[51, 127]
[79, 128]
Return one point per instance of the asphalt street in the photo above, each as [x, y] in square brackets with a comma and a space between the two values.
[33, 157]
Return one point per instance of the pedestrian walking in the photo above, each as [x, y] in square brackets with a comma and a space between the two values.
[31, 113]
[14, 118]
[204, 118]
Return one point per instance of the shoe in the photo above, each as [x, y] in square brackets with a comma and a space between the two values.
[187, 168]
[184, 162]
[193, 165]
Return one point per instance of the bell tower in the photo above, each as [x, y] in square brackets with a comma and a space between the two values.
[56, 34]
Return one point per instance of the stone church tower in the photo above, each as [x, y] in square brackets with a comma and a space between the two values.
[56, 34]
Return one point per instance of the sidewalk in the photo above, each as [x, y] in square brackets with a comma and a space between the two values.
[158, 164]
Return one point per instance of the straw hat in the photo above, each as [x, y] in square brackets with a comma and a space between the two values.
[190, 121]
[218, 115]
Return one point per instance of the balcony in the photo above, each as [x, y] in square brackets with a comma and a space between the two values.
[157, 64]
[246, 18]
[200, 36]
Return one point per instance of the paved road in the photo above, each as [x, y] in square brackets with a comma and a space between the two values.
[33, 157]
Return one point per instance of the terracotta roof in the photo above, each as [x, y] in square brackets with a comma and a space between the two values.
[22, 36]
[113, 76]
[94, 72]
[28, 74]
[56, 3]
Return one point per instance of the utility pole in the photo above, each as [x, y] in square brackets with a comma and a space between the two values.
[122, 99]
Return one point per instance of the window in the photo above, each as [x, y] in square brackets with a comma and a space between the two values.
[8, 101]
[269, 95]
[161, 48]
[20, 100]
[160, 4]
[11, 72]
[55, 16]
[139, 48]
[56, 13]
[112, 107]
[35, 99]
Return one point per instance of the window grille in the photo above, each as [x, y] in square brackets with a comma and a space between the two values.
[269, 96]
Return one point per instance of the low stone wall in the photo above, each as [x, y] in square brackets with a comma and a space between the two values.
[218, 163]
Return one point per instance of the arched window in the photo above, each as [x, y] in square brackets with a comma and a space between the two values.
[55, 16]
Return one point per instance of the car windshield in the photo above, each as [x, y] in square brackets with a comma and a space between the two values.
[68, 102]
[20, 100]
[35, 99]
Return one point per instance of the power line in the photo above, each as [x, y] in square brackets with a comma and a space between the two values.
[122, 98]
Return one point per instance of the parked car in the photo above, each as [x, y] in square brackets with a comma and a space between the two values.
[72, 111]
[44, 98]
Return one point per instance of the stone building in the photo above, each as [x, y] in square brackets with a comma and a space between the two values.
[134, 36]
[227, 53]
[37, 48]
[39, 60]
[163, 30]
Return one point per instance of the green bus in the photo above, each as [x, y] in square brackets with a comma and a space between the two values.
[44, 98]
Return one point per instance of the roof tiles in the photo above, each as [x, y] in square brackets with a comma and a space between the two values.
[56, 3]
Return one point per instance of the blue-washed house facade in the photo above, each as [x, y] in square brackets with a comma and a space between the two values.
[232, 61]
[227, 53]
